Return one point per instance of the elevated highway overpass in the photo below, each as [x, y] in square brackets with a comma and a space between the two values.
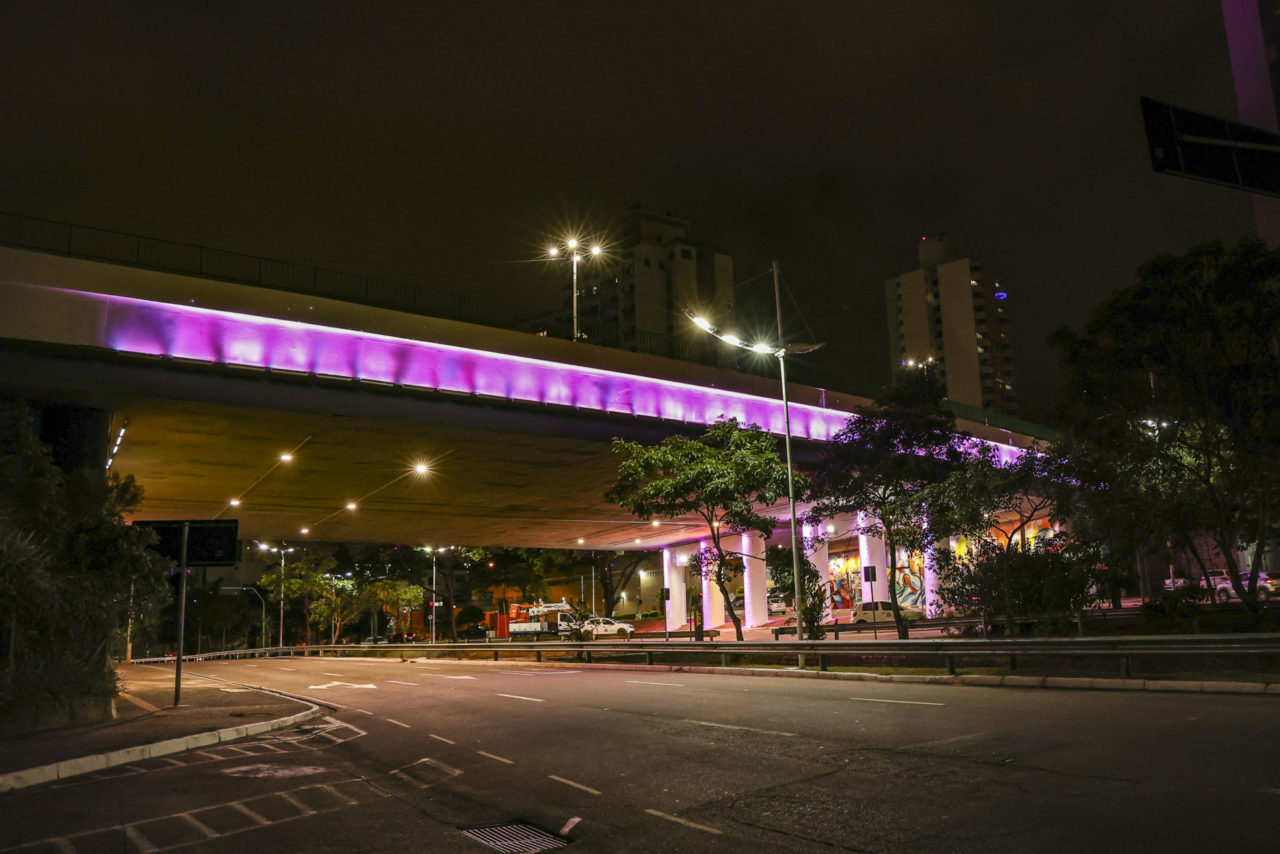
[212, 380]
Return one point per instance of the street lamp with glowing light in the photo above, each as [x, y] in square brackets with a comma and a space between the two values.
[780, 350]
[572, 245]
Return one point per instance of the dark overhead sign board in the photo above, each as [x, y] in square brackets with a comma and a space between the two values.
[209, 543]
[1207, 148]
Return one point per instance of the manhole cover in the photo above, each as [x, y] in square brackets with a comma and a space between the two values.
[514, 838]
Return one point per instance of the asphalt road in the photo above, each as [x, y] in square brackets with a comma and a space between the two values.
[656, 761]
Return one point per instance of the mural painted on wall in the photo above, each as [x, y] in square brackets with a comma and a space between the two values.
[846, 577]
[911, 582]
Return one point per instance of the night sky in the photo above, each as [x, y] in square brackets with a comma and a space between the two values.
[441, 143]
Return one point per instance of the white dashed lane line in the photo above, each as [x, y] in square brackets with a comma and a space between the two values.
[683, 821]
[327, 673]
[363, 712]
[290, 669]
[896, 702]
[518, 697]
[397, 682]
[668, 684]
[397, 723]
[744, 728]
[442, 738]
[586, 789]
[496, 758]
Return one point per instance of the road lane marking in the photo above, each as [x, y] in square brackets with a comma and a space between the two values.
[248, 813]
[290, 669]
[140, 703]
[746, 728]
[251, 665]
[442, 738]
[587, 789]
[494, 756]
[340, 684]
[420, 667]
[518, 697]
[397, 723]
[683, 821]
[642, 682]
[897, 702]
[363, 712]
[569, 825]
[397, 682]
[327, 673]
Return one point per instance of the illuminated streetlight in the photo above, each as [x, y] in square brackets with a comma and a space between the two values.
[780, 350]
[351, 505]
[286, 458]
[572, 245]
[235, 502]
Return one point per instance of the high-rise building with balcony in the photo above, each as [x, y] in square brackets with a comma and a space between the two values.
[951, 311]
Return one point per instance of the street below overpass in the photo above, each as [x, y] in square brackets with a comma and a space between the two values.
[617, 760]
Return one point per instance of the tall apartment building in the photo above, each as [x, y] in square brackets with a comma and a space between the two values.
[637, 298]
[951, 311]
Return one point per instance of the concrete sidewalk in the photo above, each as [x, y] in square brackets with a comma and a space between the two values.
[147, 725]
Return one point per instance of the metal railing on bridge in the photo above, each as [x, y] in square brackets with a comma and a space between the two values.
[953, 655]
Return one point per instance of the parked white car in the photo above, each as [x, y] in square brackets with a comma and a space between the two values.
[605, 626]
[777, 605]
[881, 612]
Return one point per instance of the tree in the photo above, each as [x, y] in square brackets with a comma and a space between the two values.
[341, 600]
[301, 578]
[885, 464]
[1181, 372]
[722, 477]
[813, 605]
[67, 564]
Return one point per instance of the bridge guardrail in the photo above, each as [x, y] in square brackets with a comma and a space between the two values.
[946, 652]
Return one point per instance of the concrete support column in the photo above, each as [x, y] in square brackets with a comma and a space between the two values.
[871, 551]
[754, 582]
[820, 556]
[931, 604]
[673, 578]
[712, 601]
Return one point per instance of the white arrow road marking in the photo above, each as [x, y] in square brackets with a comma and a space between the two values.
[518, 697]
[898, 702]
[337, 685]
[276, 771]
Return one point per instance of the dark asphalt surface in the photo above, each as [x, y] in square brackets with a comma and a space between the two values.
[641, 760]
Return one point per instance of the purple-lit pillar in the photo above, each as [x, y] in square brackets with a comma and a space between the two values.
[871, 552]
[673, 579]
[712, 601]
[755, 603]
[819, 556]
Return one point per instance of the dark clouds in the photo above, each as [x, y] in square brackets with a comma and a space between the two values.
[438, 142]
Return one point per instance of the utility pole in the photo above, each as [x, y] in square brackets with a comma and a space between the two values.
[786, 440]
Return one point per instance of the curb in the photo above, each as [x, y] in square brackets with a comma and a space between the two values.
[67, 768]
[1076, 683]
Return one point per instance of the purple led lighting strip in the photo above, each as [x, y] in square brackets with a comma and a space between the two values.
[149, 328]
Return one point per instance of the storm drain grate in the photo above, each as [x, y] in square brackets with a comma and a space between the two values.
[514, 838]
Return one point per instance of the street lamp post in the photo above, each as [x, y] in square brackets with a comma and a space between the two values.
[780, 351]
[572, 244]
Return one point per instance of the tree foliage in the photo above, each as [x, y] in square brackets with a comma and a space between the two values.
[722, 478]
[67, 564]
[1174, 404]
[884, 467]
